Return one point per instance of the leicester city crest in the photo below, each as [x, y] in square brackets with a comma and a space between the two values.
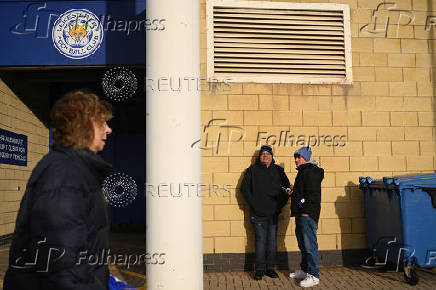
[77, 33]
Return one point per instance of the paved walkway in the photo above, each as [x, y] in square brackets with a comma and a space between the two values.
[331, 278]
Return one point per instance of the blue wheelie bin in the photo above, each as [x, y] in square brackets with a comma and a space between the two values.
[401, 222]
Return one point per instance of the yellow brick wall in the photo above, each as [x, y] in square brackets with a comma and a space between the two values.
[387, 115]
[15, 116]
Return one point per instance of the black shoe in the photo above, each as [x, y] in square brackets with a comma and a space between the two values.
[271, 273]
[258, 275]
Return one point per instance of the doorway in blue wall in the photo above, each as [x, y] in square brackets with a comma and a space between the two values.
[127, 154]
[125, 150]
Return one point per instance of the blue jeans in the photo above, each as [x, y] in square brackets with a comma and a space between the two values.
[265, 234]
[305, 230]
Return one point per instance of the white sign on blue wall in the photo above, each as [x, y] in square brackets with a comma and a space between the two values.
[13, 148]
[35, 33]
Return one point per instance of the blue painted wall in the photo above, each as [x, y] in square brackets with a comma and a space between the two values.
[26, 32]
[127, 154]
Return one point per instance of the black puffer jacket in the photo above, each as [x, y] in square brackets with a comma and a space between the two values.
[308, 187]
[262, 188]
[62, 216]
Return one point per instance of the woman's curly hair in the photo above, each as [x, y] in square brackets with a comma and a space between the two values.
[72, 117]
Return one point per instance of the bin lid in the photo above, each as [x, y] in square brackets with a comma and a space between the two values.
[402, 181]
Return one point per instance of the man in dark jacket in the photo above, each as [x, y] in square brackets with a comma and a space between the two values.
[306, 207]
[264, 187]
[62, 224]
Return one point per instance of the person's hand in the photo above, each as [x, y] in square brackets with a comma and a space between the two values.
[288, 190]
[304, 214]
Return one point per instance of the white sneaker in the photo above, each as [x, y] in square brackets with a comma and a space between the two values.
[309, 281]
[299, 274]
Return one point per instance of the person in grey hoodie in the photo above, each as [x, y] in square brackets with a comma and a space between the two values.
[266, 189]
[306, 207]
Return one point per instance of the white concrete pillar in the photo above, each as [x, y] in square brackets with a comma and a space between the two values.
[174, 210]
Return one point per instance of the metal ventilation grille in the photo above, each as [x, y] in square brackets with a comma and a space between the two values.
[299, 43]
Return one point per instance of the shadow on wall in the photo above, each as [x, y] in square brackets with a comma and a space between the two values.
[33, 94]
[352, 223]
[283, 223]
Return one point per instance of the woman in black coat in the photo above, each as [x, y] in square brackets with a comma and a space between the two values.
[62, 224]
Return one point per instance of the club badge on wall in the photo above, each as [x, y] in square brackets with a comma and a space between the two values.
[77, 33]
